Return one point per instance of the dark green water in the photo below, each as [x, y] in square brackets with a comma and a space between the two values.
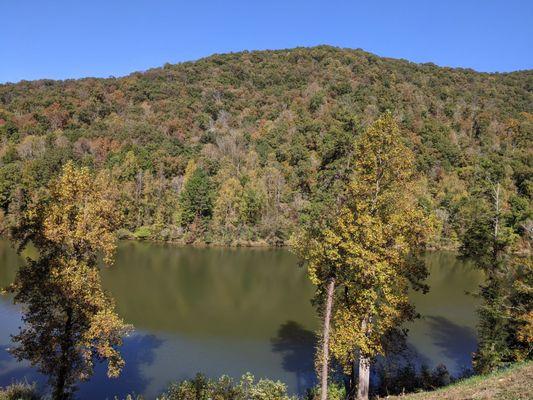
[222, 311]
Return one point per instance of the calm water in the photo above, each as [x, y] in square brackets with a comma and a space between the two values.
[230, 311]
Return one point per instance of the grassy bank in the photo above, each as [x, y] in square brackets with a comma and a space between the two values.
[514, 383]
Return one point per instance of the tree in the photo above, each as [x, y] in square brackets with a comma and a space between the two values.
[9, 179]
[229, 208]
[379, 235]
[506, 309]
[370, 251]
[313, 245]
[69, 321]
[196, 197]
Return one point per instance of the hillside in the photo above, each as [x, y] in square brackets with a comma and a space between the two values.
[516, 383]
[236, 148]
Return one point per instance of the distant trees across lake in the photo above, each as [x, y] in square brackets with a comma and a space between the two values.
[236, 149]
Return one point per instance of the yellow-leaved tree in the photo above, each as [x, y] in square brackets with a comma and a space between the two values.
[367, 255]
[69, 321]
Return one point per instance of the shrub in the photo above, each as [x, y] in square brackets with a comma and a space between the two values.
[19, 391]
[124, 234]
[203, 388]
[142, 233]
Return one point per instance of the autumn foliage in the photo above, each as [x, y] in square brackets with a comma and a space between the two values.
[69, 321]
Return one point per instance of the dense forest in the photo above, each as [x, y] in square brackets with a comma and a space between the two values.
[238, 148]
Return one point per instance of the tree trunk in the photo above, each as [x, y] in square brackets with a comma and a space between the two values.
[364, 378]
[496, 196]
[325, 344]
[60, 386]
[496, 246]
[351, 385]
[364, 370]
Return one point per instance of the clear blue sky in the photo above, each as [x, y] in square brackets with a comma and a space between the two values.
[75, 38]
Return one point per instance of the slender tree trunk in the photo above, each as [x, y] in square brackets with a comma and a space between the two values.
[59, 390]
[364, 370]
[496, 221]
[497, 210]
[325, 344]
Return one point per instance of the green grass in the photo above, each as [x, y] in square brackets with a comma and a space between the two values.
[513, 383]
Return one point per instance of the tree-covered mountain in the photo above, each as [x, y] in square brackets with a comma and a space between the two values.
[238, 148]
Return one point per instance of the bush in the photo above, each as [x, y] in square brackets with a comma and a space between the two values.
[19, 391]
[142, 233]
[406, 379]
[336, 391]
[203, 388]
[124, 234]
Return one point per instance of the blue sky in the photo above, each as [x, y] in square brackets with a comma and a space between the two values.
[61, 39]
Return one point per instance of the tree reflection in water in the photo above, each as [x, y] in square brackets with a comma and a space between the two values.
[457, 342]
[297, 345]
[138, 352]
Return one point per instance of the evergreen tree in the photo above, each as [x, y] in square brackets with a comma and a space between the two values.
[506, 310]
[196, 197]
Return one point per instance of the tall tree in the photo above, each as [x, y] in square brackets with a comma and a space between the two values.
[313, 245]
[505, 331]
[312, 242]
[69, 321]
[379, 234]
[365, 257]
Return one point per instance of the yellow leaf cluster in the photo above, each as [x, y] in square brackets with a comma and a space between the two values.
[81, 216]
[371, 245]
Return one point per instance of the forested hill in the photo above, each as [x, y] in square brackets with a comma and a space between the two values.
[234, 148]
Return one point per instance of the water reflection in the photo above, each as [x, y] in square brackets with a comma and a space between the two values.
[445, 333]
[13, 371]
[222, 311]
[457, 342]
[137, 350]
[298, 348]
[209, 292]
[10, 369]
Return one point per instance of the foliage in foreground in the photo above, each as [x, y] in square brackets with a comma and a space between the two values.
[393, 380]
[202, 388]
[505, 327]
[224, 388]
[514, 383]
[69, 321]
[19, 391]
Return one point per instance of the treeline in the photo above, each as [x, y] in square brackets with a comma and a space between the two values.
[237, 148]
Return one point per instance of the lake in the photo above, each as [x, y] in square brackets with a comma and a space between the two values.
[229, 311]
